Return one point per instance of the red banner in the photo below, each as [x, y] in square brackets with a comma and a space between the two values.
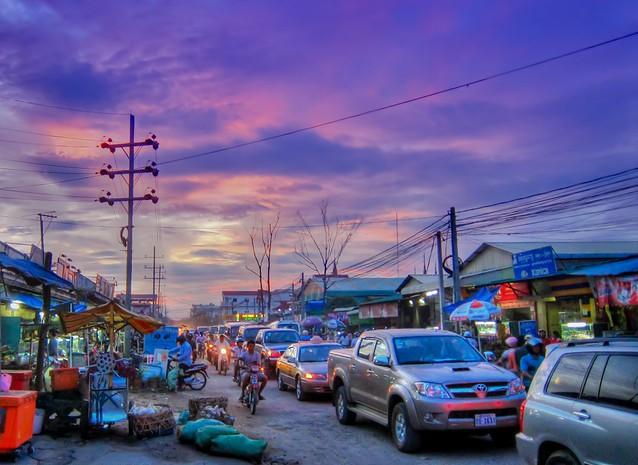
[617, 291]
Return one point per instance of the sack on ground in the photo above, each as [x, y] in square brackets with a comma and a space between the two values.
[171, 379]
[206, 434]
[238, 445]
[183, 417]
[189, 430]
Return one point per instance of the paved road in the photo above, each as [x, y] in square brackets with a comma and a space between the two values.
[304, 433]
[309, 433]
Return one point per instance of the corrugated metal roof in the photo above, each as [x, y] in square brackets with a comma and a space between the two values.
[419, 283]
[609, 269]
[366, 284]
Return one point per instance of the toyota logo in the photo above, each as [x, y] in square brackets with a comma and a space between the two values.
[480, 390]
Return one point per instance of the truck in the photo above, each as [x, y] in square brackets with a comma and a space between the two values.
[418, 380]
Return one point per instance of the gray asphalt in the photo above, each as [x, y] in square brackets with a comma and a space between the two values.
[298, 433]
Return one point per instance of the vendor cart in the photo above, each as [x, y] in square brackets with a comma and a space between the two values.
[104, 391]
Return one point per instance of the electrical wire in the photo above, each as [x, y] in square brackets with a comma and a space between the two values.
[36, 133]
[65, 108]
[11, 141]
[404, 102]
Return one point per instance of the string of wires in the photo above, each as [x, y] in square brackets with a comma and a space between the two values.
[412, 245]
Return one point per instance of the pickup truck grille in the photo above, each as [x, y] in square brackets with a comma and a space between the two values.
[505, 412]
[469, 390]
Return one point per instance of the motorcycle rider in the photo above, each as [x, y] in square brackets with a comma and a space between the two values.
[237, 351]
[223, 344]
[250, 358]
[184, 357]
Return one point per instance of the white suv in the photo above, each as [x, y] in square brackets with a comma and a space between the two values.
[582, 406]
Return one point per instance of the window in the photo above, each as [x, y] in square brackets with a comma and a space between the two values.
[366, 347]
[381, 350]
[316, 353]
[620, 382]
[416, 350]
[590, 391]
[569, 374]
[281, 337]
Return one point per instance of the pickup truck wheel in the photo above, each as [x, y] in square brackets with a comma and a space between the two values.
[406, 438]
[561, 457]
[280, 383]
[344, 415]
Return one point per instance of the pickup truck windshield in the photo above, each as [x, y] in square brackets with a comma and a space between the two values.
[276, 337]
[434, 349]
[316, 353]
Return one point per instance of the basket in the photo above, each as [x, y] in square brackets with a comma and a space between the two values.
[149, 426]
[195, 405]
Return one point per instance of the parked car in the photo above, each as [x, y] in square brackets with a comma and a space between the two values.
[415, 380]
[249, 332]
[232, 329]
[304, 367]
[582, 406]
[213, 329]
[271, 343]
[286, 324]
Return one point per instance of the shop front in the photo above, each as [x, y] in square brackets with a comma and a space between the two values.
[617, 302]
[384, 312]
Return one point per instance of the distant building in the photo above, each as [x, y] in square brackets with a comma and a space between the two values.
[206, 314]
[242, 305]
[142, 303]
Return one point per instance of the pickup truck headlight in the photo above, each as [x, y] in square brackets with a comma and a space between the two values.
[515, 387]
[432, 390]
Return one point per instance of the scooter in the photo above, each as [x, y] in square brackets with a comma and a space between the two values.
[223, 362]
[211, 353]
[251, 395]
[195, 376]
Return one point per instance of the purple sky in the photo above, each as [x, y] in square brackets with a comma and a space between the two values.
[204, 74]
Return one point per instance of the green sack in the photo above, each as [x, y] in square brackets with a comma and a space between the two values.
[183, 417]
[189, 430]
[171, 379]
[206, 434]
[238, 445]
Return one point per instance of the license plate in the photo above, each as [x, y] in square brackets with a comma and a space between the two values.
[253, 379]
[485, 419]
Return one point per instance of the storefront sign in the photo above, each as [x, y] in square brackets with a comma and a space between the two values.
[617, 291]
[104, 287]
[534, 263]
[380, 310]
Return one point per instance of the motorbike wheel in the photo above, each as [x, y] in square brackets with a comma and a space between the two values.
[254, 398]
[198, 381]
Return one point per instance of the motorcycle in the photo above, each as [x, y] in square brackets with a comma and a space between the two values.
[223, 362]
[195, 376]
[211, 353]
[251, 395]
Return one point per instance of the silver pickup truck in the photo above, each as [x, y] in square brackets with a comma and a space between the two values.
[415, 380]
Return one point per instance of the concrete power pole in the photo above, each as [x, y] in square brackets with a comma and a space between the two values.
[130, 199]
[455, 257]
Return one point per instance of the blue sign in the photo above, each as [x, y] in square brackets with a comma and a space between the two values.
[535, 263]
[163, 338]
[526, 327]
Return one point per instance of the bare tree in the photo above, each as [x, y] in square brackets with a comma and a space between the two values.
[262, 240]
[321, 250]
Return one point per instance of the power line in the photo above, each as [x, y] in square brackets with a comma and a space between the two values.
[58, 136]
[10, 141]
[39, 163]
[65, 108]
[406, 101]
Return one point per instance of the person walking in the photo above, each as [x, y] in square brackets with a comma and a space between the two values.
[507, 359]
[468, 335]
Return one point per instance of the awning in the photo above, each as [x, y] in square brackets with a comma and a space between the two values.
[484, 294]
[33, 273]
[608, 269]
[34, 301]
[110, 315]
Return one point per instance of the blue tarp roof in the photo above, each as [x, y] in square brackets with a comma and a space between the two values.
[609, 269]
[33, 273]
[35, 301]
[484, 294]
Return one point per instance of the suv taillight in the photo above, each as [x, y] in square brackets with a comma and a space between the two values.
[521, 415]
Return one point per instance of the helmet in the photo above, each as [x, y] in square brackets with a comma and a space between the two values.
[181, 339]
[239, 339]
[534, 341]
[305, 332]
[467, 334]
[511, 341]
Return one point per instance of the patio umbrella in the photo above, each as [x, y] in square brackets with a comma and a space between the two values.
[475, 310]
[111, 317]
[311, 322]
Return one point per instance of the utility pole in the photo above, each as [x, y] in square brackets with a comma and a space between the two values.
[50, 216]
[131, 199]
[455, 257]
[396, 216]
[439, 270]
[44, 328]
[155, 269]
